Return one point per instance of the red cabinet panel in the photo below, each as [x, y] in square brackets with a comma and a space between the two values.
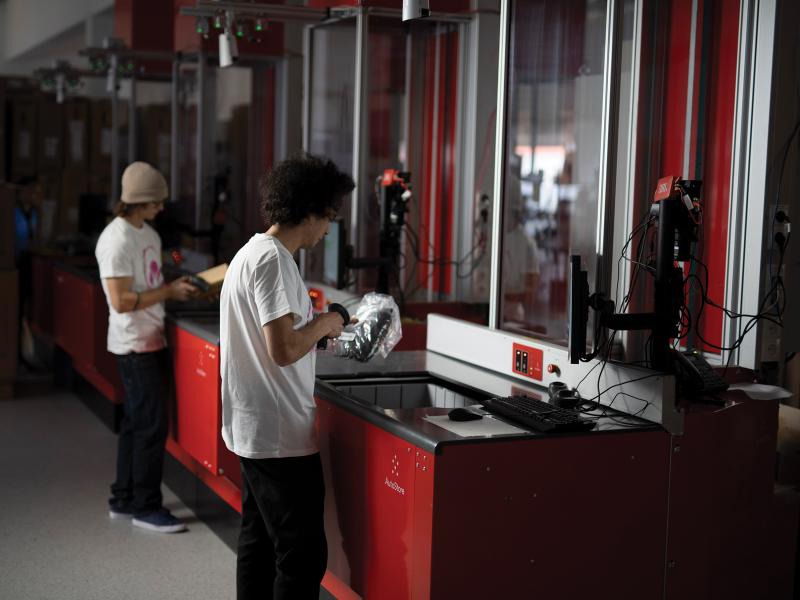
[42, 294]
[378, 507]
[198, 404]
[80, 327]
[73, 317]
[389, 516]
[197, 394]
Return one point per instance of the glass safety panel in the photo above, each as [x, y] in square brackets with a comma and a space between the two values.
[430, 147]
[553, 153]
[412, 103]
[331, 108]
[237, 143]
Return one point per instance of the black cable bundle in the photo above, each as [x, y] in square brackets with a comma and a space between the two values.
[369, 334]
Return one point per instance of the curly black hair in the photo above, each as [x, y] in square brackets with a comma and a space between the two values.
[302, 186]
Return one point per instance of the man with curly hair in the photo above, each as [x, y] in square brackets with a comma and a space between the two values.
[267, 335]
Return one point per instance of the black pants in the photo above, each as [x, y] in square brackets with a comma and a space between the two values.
[143, 432]
[282, 551]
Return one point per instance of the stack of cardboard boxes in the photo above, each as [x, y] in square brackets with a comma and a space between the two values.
[100, 144]
[74, 180]
[155, 137]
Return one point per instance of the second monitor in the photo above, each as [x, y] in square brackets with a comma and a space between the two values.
[334, 271]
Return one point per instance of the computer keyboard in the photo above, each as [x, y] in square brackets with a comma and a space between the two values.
[537, 414]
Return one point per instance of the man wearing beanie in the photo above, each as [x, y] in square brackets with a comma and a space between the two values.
[129, 255]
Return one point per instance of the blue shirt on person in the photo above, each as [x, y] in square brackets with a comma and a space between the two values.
[25, 226]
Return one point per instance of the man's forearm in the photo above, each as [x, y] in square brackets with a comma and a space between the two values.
[138, 300]
[154, 296]
[302, 341]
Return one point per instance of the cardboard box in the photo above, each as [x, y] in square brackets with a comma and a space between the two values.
[74, 183]
[9, 331]
[214, 278]
[51, 198]
[155, 131]
[23, 138]
[100, 185]
[11, 88]
[50, 136]
[76, 133]
[100, 138]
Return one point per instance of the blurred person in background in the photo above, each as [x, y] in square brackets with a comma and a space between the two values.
[27, 234]
[129, 255]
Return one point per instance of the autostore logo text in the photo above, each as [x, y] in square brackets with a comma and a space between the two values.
[394, 486]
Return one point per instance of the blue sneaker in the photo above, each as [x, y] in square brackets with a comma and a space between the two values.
[160, 520]
[120, 510]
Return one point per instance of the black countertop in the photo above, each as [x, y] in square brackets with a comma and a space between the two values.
[410, 423]
[206, 328]
[88, 271]
[334, 374]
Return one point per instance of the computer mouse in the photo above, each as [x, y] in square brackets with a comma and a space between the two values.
[462, 414]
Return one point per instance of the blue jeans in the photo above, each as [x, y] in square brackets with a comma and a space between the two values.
[143, 432]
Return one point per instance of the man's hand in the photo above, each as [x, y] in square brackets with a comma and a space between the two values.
[181, 290]
[286, 345]
[332, 322]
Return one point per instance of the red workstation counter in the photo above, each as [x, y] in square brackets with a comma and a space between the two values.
[196, 439]
[415, 511]
[80, 327]
[80, 324]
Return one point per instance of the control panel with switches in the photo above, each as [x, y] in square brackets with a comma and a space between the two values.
[527, 361]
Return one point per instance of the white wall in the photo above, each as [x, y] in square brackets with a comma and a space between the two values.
[30, 23]
[34, 33]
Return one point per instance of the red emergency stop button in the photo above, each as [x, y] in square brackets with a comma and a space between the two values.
[551, 368]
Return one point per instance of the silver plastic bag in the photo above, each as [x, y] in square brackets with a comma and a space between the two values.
[377, 332]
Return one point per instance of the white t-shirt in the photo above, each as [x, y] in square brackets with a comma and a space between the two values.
[125, 251]
[268, 411]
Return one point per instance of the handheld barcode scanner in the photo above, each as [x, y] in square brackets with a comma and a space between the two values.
[323, 343]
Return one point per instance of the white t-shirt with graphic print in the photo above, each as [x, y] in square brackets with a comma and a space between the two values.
[125, 251]
[268, 411]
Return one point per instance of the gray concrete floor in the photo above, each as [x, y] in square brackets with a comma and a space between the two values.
[56, 540]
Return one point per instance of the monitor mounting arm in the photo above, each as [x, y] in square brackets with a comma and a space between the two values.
[677, 209]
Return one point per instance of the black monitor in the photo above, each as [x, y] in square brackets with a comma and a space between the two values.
[334, 270]
[578, 310]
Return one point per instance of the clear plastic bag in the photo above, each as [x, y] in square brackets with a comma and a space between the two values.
[377, 332]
